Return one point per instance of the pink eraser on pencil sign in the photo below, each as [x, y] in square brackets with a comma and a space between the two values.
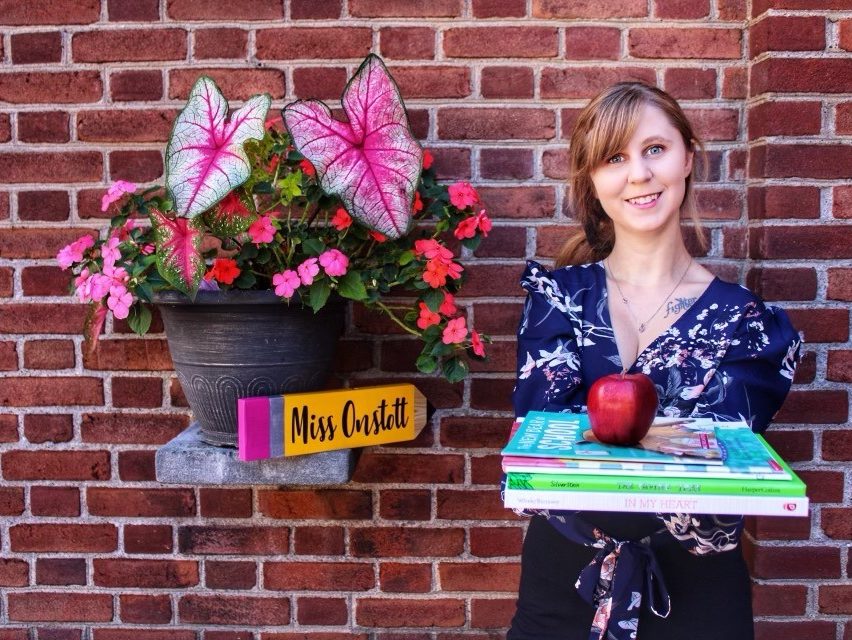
[253, 428]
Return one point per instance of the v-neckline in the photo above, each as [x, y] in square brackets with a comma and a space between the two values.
[608, 319]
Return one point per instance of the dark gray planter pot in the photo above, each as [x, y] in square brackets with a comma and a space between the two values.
[233, 344]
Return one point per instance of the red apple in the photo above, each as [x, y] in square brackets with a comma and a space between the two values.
[622, 407]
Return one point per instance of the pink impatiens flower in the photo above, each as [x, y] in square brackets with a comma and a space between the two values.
[462, 195]
[114, 193]
[341, 219]
[455, 331]
[74, 252]
[261, 230]
[286, 283]
[307, 271]
[119, 301]
[334, 262]
[427, 159]
[110, 252]
[427, 318]
[468, 227]
[476, 343]
[431, 249]
[448, 305]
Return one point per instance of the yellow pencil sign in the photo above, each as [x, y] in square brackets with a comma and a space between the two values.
[301, 423]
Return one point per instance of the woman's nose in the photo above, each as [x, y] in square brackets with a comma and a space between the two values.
[639, 171]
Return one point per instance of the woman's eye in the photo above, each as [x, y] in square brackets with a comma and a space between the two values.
[655, 149]
[615, 159]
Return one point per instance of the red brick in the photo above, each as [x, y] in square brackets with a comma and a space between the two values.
[405, 577]
[136, 428]
[719, 204]
[145, 574]
[801, 75]
[137, 392]
[75, 166]
[6, 288]
[117, 125]
[577, 83]
[411, 468]
[235, 84]
[320, 504]
[56, 465]
[55, 501]
[318, 541]
[60, 607]
[835, 599]
[404, 504]
[451, 163]
[501, 42]
[837, 522]
[772, 528]
[474, 433]
[793, 630]
[506, 164]
[319, 82]
[230, 575]
[75, 538]
[61, 571]
[478, 505]
[592, 43]
[135, 633]
[842, 202]
[784, 33]
[776, 118]
[141, 538]
[496, 124]
[823, 486]
[689, 43]
[11, 501]
[322, 611]
[806, 371]
[715, 124]
[37, 243]
[137, 466]
[178, 503]
[231, 610]
[29, 392]
[499, 8]
[40, 428]
[839, 366]
[839, 284]
[129, 45]
[5, 136]
[36, 48]
[793, 446]
[48, 354]
[310, 10]
[49, 206]
[133, 10]
[433, 82]
[503, 242]
[220, 43]
[779, 201]
[434, 612]
[410, 542]
[225, 503]
[783, 284]
[405, 9]
[507, 82]
[734, 83]
[779, 600]
[518, 203]
[135, 166]
[132, 85]
[479, 576]
[51, 88]
[500, 318]
[589, 9]
[8, 356]
[492, 279]
[46, 12]
[318, 576]
[681, 9]
[490, 613]
[488, 542]
[318, 43]
[814, 407]
[407, 43]
[734, 10]
[822, 242]
[244, 10]
[690, 84]
[14, 572]
[130, 355]
[145, 609]
[233, 540]
[796, 562]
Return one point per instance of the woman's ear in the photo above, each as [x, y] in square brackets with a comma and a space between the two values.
[690, 155]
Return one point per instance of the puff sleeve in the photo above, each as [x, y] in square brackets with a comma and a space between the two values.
[753, 378]
[548, 358]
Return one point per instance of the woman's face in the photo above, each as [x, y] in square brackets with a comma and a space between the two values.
[641, 187]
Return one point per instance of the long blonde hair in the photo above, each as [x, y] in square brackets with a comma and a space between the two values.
[603, 128]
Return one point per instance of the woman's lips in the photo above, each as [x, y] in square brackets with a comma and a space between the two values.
[644, 202]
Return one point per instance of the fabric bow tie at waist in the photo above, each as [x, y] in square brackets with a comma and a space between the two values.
[621, 574]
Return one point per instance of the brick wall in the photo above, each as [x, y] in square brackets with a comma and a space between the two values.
[417, 546]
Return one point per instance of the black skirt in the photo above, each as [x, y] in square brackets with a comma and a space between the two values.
[710, 595]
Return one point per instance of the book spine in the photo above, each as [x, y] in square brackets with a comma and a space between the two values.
[640, 484]
[638, 470]
[654, 503]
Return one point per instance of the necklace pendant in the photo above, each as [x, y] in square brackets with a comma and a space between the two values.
[642, 328]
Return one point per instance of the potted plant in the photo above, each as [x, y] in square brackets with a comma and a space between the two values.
[270, 224]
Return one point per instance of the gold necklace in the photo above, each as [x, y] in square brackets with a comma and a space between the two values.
[644, 325]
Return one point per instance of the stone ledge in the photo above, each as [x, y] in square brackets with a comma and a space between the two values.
[185, 459]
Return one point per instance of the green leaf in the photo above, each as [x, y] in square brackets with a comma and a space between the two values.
[405, 257]
[472, 243]
[350, 286]
[313, 246]
[139, 318]
[455, 369]
[249, 251]
[426, 363]
[433, 298]
[319, 292]
[144, 291]
[246, 280]
[289, 186]
[441, 349]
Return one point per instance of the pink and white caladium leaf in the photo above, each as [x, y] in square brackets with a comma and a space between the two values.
[371, 163]
[179, 258]
[205, 158]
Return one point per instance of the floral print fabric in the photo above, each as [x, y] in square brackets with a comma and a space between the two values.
[729, 356]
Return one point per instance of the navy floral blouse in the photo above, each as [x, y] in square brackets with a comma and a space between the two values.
[729, 356]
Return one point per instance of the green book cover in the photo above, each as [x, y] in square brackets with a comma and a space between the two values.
[627, 482]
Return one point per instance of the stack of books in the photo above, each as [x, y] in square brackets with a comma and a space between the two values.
[553, 461]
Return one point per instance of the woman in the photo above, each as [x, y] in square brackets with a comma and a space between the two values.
[633, 299]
